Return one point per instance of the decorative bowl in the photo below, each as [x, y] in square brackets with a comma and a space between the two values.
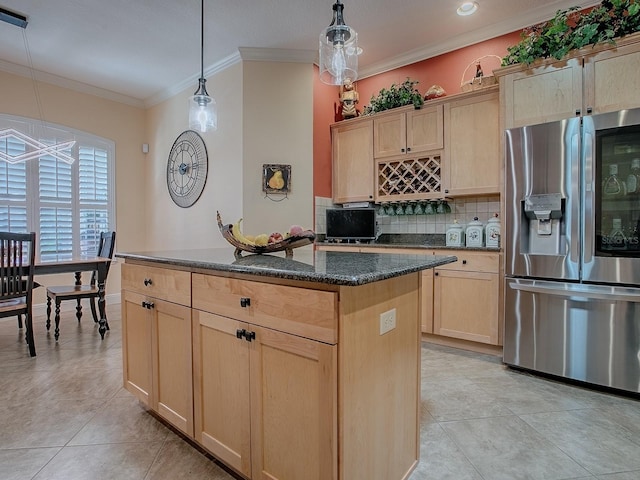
[287, 245]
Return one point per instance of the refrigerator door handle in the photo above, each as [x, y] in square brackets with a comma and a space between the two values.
[588, 215]
[581, 291]
[574, 247]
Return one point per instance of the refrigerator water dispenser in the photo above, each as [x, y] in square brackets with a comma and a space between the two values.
[544, 214]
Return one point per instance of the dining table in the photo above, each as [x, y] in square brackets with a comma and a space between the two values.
[75, 265]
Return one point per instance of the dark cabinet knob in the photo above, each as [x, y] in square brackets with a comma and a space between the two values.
[577, 112]
[464, 262]
[147, 282]
[589, 110]
[435, 273]
[147, 305]
[408, 149]
[240, 332]
[402, 150]
[249, 336]
[446, 190]
[245, 302]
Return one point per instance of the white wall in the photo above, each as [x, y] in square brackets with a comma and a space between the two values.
[167, 225]
[277, 128]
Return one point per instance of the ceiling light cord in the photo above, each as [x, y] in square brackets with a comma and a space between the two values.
[34, 82]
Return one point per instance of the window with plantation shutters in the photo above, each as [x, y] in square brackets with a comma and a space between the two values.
[67, 196]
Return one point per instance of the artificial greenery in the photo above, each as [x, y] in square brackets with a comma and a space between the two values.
[396, 96]
[570, 29]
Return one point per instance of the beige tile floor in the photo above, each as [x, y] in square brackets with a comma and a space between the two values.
[64, 415]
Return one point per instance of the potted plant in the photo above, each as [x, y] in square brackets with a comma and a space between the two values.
[570, 29]
[396, 96]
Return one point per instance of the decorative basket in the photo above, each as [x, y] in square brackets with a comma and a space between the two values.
[288, 244]
[478, 83]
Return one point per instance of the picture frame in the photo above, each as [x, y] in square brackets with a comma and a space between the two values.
[276, 178]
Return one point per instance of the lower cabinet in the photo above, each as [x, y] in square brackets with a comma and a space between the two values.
[265, 401]
[460, 300]
[157, 356]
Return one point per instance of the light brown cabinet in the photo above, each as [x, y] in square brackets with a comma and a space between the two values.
[466, 298]
[265, 401]
[589, 81]
[472, 143]
[460, 300]
[352, 167]
[407, 131]
[157, 343]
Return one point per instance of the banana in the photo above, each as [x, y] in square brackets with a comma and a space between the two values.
[237, 234]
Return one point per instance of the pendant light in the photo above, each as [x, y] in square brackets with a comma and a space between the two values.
[338, 50]
[203, 115]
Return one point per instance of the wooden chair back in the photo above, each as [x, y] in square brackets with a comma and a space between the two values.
[105, 250]
[17, 264]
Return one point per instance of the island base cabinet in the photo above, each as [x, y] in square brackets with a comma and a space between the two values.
[157, 357]
[265, 401]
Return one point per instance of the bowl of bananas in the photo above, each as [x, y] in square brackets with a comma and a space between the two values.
[264, 243]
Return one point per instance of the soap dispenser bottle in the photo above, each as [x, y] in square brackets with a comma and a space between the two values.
[474, 233]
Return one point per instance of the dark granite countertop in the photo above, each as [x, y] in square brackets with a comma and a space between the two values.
[337, 268]
[427, 241]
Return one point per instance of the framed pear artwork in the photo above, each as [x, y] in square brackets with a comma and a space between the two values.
[276, 178]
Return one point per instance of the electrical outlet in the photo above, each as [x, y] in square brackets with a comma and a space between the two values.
[387, 321]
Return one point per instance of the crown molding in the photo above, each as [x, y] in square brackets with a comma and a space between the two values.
[192, 81]
[63, 82]
[532, 17]
[277, 55]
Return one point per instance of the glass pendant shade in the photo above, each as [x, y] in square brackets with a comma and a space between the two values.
[338, 50]
[203, 114]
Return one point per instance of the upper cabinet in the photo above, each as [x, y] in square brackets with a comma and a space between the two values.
[472, 143]
[407, 131]
[592, 80]
[352, 170]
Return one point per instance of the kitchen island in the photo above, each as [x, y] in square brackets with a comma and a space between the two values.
[282, 368]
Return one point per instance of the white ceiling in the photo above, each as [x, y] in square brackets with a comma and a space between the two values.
[142, 51]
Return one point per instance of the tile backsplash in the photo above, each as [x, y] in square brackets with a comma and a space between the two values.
[462, 209]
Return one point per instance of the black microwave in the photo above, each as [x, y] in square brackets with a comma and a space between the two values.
[351, 224]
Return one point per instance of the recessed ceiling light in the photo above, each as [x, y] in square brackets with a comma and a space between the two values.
[467, 8]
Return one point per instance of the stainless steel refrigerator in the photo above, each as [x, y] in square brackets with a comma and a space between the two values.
[572, 252]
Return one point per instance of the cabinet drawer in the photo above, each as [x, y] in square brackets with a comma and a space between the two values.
[163, 283]
[472, 261]
[300, 311]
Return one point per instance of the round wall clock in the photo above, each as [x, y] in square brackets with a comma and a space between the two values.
[187, 168]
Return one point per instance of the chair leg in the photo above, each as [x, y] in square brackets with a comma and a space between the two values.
[29, 327]
[19, 320]
[48, 312]
[79, 310]
[95, 317]
[57, 320]
[92, 303]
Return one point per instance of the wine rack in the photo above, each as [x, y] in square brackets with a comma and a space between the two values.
[409, 178]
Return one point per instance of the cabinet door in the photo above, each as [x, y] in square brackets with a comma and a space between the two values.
[425, 129]
[466, 305]
[172, 364]
[136, 347]
[544, 94]
[473, 145]
[611, 80]
[352, 170]
[293, 407]
[221, 389]
[390, 135]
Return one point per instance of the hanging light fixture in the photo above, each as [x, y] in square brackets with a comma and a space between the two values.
[202, 108]
[338, 50]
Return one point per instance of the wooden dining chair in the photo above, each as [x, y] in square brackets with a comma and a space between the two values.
[17, 265]
[78, 291]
